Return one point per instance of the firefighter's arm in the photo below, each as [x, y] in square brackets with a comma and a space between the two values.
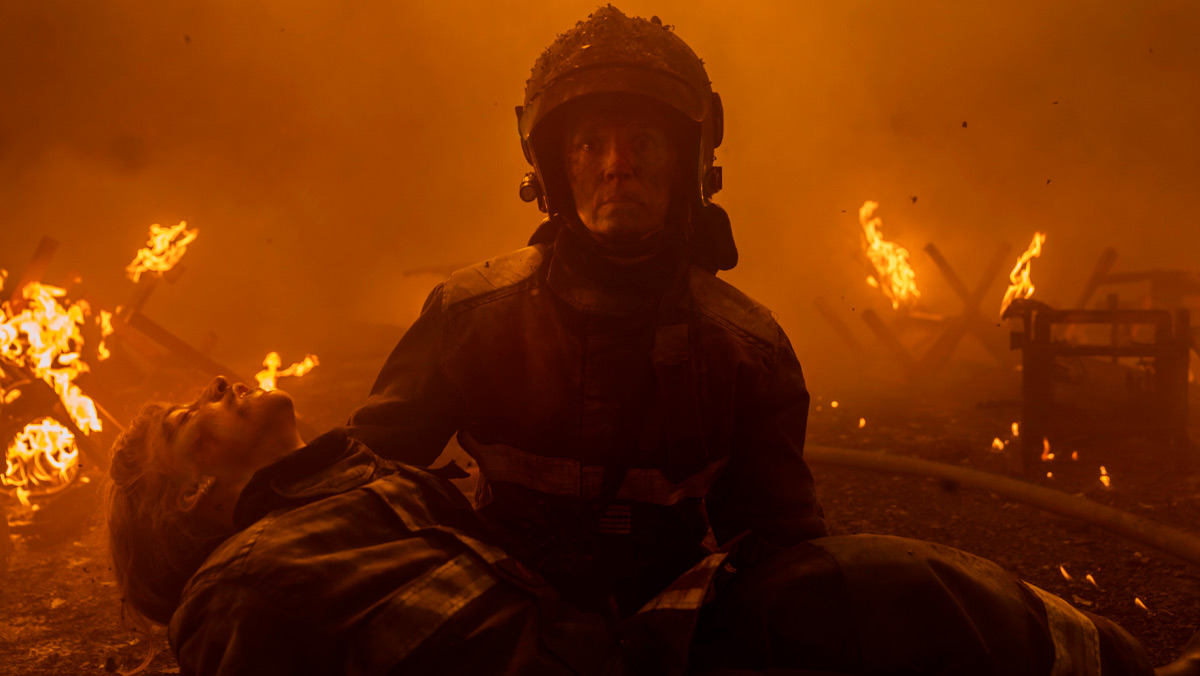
[412, 410]
[767, 487]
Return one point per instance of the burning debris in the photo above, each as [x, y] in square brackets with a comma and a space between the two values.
[893, 273]
[42, 341]
[163, 250]
[272, 362]
[42, 458]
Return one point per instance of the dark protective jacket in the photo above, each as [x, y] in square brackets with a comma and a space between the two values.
[616, 411]
[346, 563]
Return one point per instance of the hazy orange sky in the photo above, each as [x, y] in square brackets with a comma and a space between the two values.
[322, 149]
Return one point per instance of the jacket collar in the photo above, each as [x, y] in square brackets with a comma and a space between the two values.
[330, 464]
[584, 275]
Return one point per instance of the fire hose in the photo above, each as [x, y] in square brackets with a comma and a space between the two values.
[1165, 539]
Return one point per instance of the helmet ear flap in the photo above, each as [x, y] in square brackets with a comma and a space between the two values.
[524, 143]
[718, 120]
[713, 247]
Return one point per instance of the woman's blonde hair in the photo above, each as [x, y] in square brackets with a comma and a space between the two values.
[155, 545]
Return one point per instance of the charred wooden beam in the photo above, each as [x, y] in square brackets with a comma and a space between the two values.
[839, 327]
[890, 341]
[1100, 273]
[37, 266]
[970, 320]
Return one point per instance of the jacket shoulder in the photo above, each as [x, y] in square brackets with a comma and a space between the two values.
[493, 276]
[724, 304]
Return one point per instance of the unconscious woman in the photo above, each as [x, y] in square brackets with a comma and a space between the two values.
[267, 555]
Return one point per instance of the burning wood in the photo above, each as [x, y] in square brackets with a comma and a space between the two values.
[163, 250]
[43, 457]
[272, 362]
[893, 273]
[1021, 287]
[44, 340]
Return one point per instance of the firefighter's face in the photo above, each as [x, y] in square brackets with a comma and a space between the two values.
[621, 164]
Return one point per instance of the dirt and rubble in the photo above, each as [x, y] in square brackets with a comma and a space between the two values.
[60, 606]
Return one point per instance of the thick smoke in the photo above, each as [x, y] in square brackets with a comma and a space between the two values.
[324, 149]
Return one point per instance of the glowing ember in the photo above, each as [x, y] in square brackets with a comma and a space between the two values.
[833, 404]
[893, 274]
[272, 362]
[1047, 456]
[1091, 579]
[1049, 475]
[1075, 455]
[106, 330]
[1016, 430]
[41, 457]
[997, 445]
[1138, 602]
[862, 422]
[163, 250]
[1065, 574]
[1104, 477]
[1021, 286]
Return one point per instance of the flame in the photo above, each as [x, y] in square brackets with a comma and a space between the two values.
[43, 455]
[1046, 454]
[997, 445]
[45, 338]
[272, 362]
[163, 249]
[1065, 574]
[893, 274]
[1104, 477]
[1016, 429]
[1021, 286]
[106, 330]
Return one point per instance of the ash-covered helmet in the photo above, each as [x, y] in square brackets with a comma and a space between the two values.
[612, 54]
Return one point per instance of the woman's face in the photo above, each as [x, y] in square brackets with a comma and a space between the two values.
[228, 433]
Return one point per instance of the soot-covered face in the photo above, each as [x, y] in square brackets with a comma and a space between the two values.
[621, 164]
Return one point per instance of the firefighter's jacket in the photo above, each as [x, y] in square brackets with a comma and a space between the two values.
[616, 410]
[346, 563]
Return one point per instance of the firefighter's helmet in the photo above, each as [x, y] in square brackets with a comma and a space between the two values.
[610, 53]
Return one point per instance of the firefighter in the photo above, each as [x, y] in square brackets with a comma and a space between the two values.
[629, 411]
